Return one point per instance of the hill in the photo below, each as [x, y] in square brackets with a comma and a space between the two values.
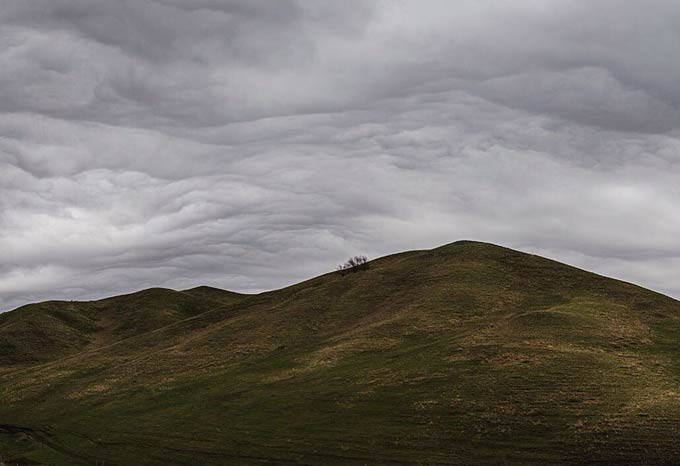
[53, 329]
[468, 354]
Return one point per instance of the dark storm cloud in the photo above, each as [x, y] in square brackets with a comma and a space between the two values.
[249, 144]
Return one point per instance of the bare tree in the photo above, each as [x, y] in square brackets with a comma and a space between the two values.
[353, 265]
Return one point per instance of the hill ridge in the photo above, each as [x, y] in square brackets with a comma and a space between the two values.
[469, 353]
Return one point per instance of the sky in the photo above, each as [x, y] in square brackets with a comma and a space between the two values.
[250, 144]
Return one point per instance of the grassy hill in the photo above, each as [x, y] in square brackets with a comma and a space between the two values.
[467, 354]
[53, 329]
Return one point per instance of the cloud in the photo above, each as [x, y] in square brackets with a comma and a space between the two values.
[249, 145]
[591, 96]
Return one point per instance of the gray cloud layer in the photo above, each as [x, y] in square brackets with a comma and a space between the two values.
[250, 144]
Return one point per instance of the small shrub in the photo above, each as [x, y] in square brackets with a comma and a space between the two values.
[353, 265]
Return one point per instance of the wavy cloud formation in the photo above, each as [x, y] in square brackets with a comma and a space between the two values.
[251, 144]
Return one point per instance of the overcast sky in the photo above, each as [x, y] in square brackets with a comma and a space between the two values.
[251, 144]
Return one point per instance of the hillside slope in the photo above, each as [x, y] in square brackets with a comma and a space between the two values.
[54, 329]
[465, 354]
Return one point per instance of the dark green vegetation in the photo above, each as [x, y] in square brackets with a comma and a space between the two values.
[467, 354]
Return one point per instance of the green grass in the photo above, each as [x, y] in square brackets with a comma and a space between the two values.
[467, 354]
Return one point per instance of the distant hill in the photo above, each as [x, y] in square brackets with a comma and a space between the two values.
[467, 354]
[54, 329]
